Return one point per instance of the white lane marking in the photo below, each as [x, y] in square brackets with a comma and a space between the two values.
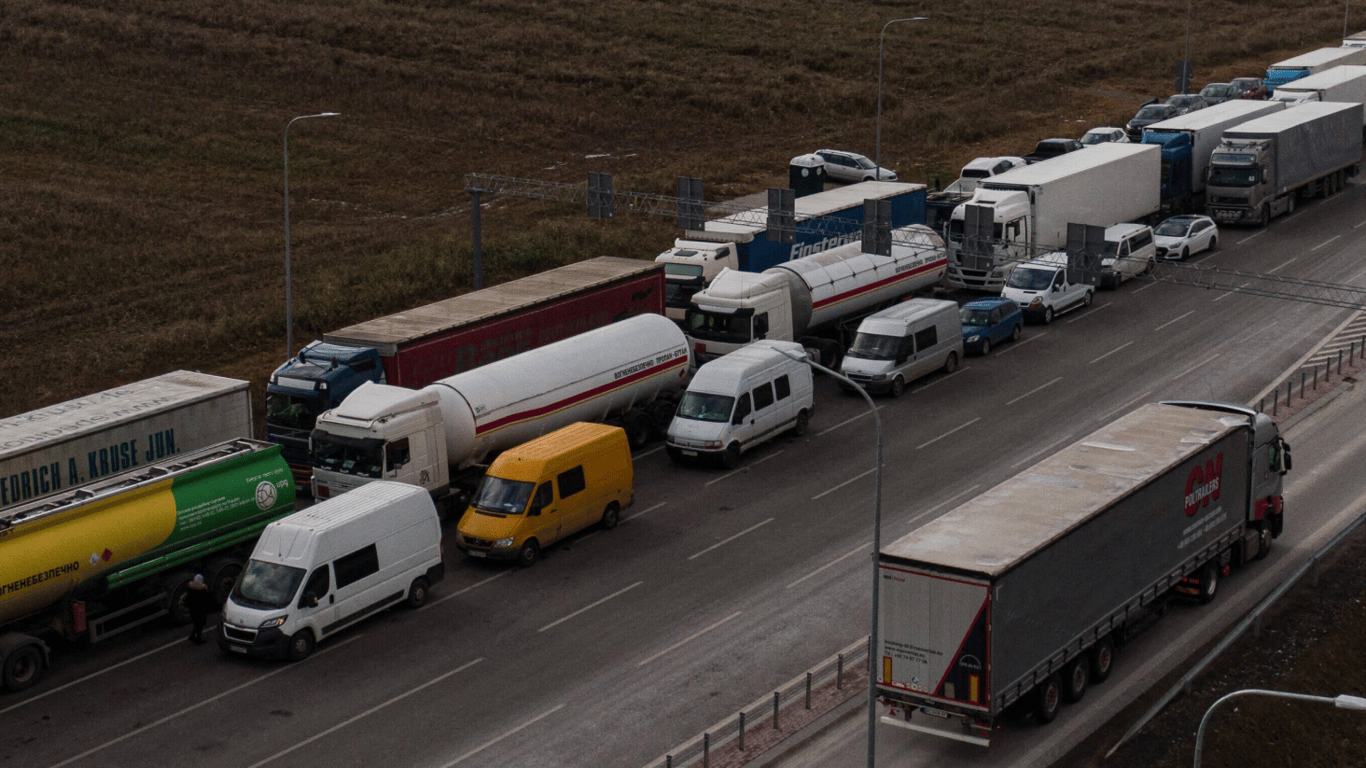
[1086, 314]
[1325, 242]
[846, 421]
[1244, 240]
[643, 454]
[110, 668]
[203, 703]
[945, 377]
[1230, 293]
[1021, 343]
[1206, 361]
[745, 468]
[514, 731]
[864, 547]
[1144, 288]
[1040, 452]
[688, 639]
[1174, 319]
[733, 538]
[645, 511]
[1111, 352]
[1032, 391]
[590, 606]
[1361, 224]
[1275, 269]
[829, 491]
[458, 593]
[950, 432]
[946, 502]
[366, 713]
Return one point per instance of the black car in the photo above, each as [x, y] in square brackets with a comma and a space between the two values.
[1152, 112]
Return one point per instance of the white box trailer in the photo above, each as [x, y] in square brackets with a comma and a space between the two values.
[1281, 73]
[1346, 84]
[1021, 593]
[62, 446]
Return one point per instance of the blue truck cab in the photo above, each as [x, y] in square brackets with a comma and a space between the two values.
[1177, 191]
[315, 380]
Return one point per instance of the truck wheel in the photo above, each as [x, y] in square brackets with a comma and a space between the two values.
[1047, 700]
[661, 415]
[1209, 582]
[1266, 215]
[611, 516]
[803, 421]
[898, 386]
[1290, 204]
[730, 458]
[301, 645]
[1263, 542]
[1102, 658]
[529, 553]
[417, 593]
[1075, 677]
[951, 363]
[1047, 315]
[177, 587]
[222, 575]
[23, 667]
[637, 429]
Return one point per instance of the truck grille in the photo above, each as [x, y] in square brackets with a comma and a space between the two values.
[240, 634]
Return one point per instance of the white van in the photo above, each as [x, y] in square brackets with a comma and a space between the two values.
[739, 400]
[902, 343]
[321, 570]
[1130, 251]
[1042, 289]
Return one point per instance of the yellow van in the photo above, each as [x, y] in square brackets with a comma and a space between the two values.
[542, 491]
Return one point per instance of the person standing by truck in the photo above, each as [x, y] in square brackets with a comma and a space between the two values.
[199, 602]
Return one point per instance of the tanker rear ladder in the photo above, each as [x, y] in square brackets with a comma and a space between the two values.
[126, 481]
[663, 205]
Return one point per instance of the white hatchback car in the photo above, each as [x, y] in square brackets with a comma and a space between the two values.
[852, 167]
[1102, 135]
[1181, 236]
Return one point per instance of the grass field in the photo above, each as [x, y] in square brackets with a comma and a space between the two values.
[141, 180]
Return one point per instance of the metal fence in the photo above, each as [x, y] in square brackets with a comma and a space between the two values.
[1305, 385]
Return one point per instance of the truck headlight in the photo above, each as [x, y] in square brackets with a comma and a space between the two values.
[504, 542]
[272, 623]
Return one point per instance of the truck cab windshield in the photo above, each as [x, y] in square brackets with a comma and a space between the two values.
[704, 406]
[716, 327]
[267, 585]
[364, 458]
[1027, 279]
[508, 497]
[291, 411]
[872, 346]
[1232, 177]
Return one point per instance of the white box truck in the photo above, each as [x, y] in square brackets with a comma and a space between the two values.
[1022, 214]
[1346, 84]
[62, 446]
[1021, 594]
[1312, 63]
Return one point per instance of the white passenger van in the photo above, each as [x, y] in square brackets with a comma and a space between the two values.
[321, 570]
[902, 343]
[739, 400]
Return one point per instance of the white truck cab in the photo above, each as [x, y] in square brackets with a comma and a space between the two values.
[688, 267]
[1042, 289]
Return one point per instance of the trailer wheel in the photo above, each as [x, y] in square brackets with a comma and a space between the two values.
[23, 667]
[222, 575]
[1047, 700]
[417, 593]
[301, 645]
[611, 516]
[529, 553]
[1209, 582]
[637, 429]
[660, 414]
[177, 587]
[1075, 677]
[1102, 658]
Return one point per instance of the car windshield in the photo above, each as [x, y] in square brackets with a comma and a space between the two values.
[1216, 91]
[506, 496]
[872, 346]
[364, 458]
[1027, 279]
[708, 326]
[1095, 138]
[703, 406]
[864, 163]
[267, 585]
[1151, 113]
[292, 412]
[1172, 228]
[974, 316]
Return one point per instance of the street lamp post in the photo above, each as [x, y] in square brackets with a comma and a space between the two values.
[1344, 701]
[877, 150]
[877, 547]
[289, 302]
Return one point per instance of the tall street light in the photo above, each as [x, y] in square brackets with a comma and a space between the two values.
[289, 302]
[877, 547]
[878, 149]
[1344, 701]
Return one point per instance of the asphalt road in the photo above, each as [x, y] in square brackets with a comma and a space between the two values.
[717, 586]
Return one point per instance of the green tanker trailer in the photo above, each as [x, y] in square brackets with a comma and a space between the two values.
[94, 561]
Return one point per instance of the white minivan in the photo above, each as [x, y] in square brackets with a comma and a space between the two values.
[902, 343]
[739, 400]
[1042, 289]
[325, 568]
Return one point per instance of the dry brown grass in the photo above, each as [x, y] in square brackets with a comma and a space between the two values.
[140, 140]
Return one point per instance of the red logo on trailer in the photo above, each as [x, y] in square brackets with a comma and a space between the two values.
[1202, 485]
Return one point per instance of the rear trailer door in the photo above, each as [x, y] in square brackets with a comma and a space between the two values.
[933, 662]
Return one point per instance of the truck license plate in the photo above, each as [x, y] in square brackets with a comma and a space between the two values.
[935, 712]
[476, 553]
[238, 648]
[688, 453]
